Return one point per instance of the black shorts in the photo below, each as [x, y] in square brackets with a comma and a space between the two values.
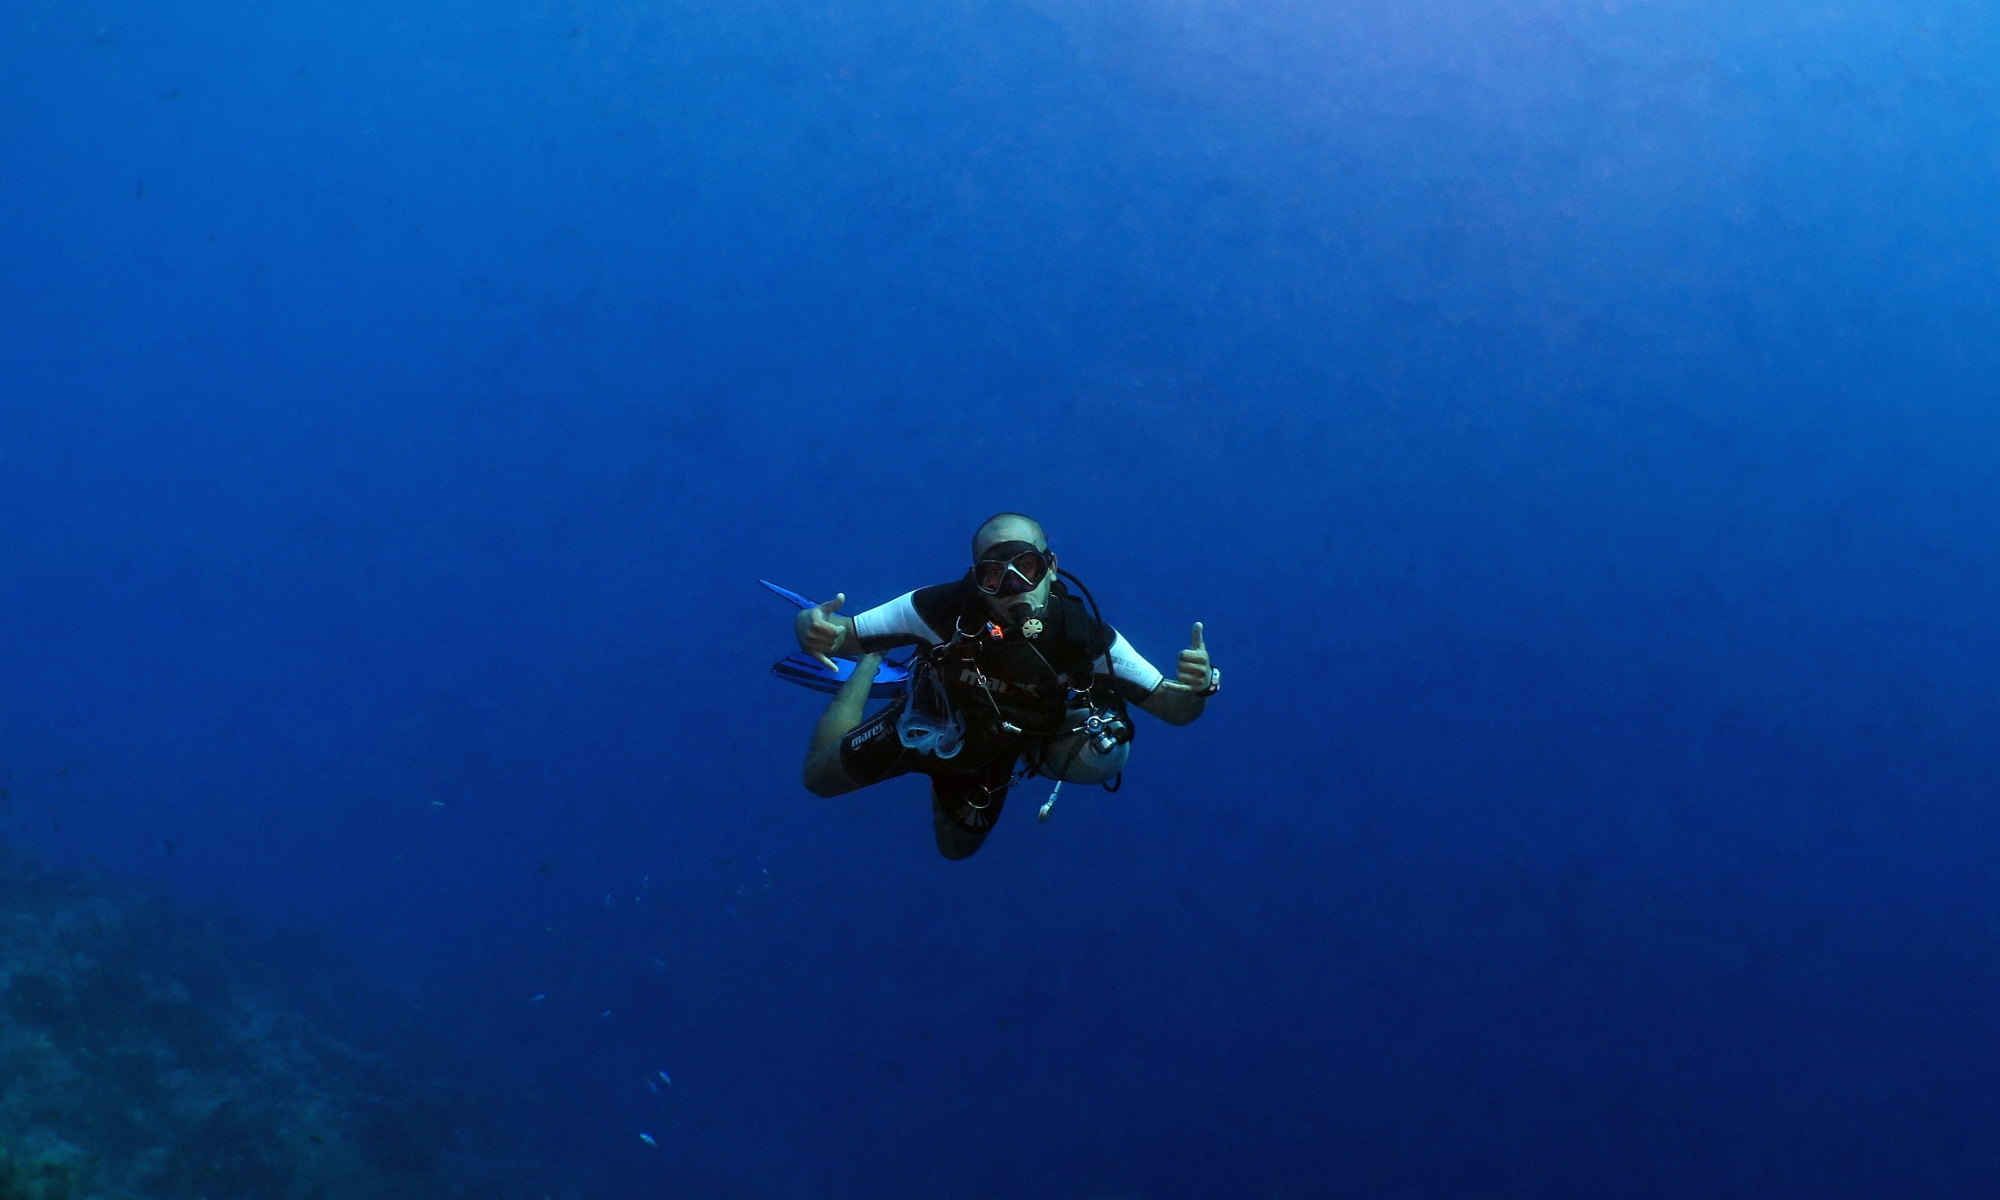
[966, 796]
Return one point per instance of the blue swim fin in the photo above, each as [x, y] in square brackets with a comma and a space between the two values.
[787, 593]
[808, 672]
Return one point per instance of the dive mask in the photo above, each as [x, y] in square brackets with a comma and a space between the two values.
[928, 724]
[928, 735]
[1011, 568]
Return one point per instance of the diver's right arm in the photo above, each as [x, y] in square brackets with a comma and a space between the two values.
[822, 633]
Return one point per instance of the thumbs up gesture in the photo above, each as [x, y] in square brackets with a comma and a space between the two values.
[817, 634]
[1194, 671]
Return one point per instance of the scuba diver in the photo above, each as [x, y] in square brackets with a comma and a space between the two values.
[1010, 668]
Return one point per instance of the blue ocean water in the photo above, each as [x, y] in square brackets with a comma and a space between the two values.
[1574, 424]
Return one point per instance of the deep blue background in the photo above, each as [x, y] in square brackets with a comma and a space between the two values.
[1573, 421]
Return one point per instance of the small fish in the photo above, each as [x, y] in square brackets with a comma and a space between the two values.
[604, 1014]
[648, 1139]
[652, 1087]
[437, 804]
[538, 996]
[664, 1079]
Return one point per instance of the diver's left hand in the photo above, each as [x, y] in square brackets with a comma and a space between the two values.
[1182, 699]
[1195, 672]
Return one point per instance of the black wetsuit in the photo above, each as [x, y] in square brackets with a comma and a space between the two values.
[995, 678]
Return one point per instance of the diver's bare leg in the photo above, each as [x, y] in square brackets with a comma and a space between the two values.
[823, 774]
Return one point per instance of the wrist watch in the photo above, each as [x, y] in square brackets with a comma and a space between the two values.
[1214, 683]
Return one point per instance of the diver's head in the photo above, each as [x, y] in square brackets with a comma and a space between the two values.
[1012, 566]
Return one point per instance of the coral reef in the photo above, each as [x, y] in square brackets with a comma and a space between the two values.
[144, 1054]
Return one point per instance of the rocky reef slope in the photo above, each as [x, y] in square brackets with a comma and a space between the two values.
[148, 1053]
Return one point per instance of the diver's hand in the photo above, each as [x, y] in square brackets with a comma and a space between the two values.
[817, 635]
[1195, 672]
[1180, 700]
